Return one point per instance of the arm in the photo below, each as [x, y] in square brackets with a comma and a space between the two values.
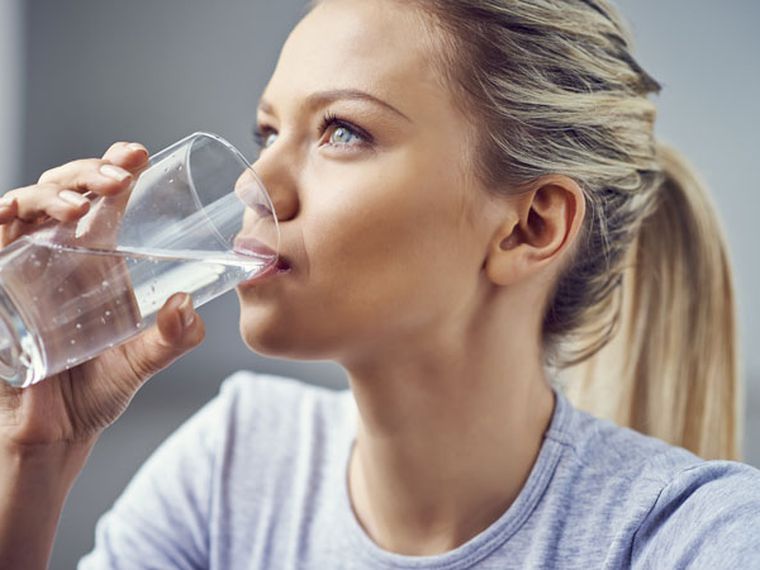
[48, 428]
[34, 483]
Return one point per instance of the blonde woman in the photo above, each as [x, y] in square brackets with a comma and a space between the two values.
[475, 212]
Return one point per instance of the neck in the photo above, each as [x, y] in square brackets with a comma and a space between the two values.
[447, 436]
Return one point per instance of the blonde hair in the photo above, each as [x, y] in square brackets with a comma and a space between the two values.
[642, 321]
[672, 369]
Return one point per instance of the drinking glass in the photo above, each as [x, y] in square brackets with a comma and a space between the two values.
[197, 220]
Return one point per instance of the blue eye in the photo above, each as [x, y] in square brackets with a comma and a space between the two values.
[343, 135]
[269, 139]
[264, 137]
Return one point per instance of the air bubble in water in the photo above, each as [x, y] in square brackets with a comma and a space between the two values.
[72, 341]
[171, 180]
[104, 284]
[60, 289]
[79, 325]
[108, 313]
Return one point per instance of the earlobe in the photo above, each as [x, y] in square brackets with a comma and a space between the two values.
[504, 263]
[548, 218]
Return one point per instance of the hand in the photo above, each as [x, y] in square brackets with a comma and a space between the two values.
[76, 405]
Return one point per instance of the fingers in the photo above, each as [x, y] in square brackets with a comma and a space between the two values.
[130, 156]
[8, 209]
[92, 174]
[110, 175]
[176, 319]
[178, 330]
[59, 191]
[33, 202]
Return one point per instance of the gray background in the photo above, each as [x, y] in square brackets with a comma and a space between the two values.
[80, 74]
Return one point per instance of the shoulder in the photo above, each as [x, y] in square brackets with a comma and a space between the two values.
[202, 481]
[611, 455]
[707, 515]
[264, 402]
[271, 423]
[252, 386]
[659, 503]
[249, 402]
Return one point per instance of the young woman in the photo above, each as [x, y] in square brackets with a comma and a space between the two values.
[471, 200]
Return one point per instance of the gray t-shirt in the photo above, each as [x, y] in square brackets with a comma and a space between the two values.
[257, 480]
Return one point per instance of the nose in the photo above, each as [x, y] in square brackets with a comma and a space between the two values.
[276, 175]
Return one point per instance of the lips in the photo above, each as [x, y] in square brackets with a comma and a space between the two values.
[250, 246]
[246, 245]
[281, 267]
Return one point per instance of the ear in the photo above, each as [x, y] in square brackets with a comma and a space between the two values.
[543, 223]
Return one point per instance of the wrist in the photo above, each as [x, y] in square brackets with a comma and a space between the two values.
[61, 461]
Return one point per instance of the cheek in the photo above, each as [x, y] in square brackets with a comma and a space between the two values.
[389, 258]
[385, 257]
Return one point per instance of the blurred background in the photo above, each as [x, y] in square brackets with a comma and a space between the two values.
[81, 74]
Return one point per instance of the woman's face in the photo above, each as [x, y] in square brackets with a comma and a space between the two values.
[366, 158]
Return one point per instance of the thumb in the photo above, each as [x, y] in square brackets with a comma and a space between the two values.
[178, 330]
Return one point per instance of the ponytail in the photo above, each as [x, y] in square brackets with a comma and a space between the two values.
[671, 371]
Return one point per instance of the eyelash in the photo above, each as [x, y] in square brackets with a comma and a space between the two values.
[260, 133]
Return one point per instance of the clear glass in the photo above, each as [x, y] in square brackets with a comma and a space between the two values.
[196, 220]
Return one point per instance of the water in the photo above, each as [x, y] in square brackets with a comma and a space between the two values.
[75, 303]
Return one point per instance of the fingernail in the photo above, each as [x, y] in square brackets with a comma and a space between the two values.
[186, 312]
[73, 198]
[137, 147]
[114, 172]
[6, 201]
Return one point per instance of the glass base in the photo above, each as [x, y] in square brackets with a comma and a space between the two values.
[20, 356]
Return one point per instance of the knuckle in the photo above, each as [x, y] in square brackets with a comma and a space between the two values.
[139, 365]
[49, 174]
[12, 194]
[81, 166]
[69, 171]
[116, 146]
[45, 189]
[90, 163]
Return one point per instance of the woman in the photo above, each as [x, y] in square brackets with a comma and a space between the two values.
[470, 198]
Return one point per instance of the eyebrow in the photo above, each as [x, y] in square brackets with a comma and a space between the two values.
[323, 98]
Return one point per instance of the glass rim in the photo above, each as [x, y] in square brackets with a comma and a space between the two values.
[189, 140]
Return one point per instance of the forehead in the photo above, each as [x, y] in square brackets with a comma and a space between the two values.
[380, 46]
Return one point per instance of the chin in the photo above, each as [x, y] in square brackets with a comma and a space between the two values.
[279, 341]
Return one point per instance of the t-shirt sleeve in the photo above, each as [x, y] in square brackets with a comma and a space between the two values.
[161, 518]
[707, 517]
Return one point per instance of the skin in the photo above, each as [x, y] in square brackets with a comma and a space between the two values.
[48, 430]
[425, 287]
